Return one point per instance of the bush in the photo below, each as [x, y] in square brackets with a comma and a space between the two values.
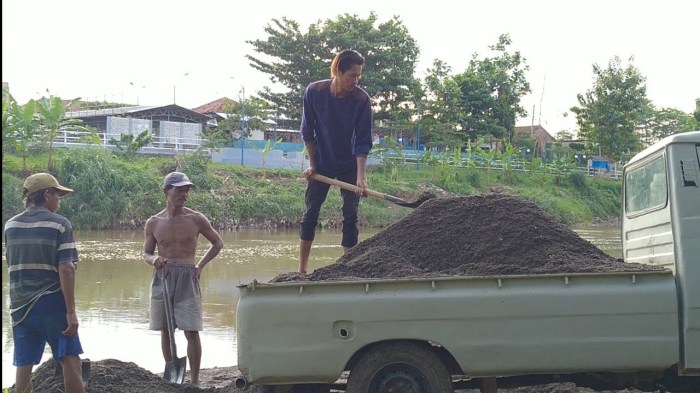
[12, 201]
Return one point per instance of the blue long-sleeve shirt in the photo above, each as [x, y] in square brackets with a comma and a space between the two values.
[340, 127]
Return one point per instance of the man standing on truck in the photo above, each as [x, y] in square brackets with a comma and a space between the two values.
[336, 127]
[175, 232]
[41, 261]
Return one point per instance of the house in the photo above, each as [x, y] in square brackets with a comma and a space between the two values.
[216, 109]
[539, 134]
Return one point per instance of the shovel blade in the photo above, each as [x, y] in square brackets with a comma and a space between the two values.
[175, 371]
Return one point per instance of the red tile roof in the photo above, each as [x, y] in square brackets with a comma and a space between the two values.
[218, 106]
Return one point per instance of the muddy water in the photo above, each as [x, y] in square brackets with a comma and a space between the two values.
[113, 290]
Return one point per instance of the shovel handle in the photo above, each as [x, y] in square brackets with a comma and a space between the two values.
[169, 317]
[354, 188]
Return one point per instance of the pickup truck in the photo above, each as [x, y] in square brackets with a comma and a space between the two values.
[436, 334]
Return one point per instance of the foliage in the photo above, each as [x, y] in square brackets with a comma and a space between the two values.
[245, 115]
[490, 92]
[661, 123]
[129, 145]
[269, 146]
[12, 203]
[107, 191]
[298, 58]
[610, 113]
[114, 191]
[20, 128]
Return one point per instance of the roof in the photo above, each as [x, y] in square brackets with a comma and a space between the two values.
[108, 111]
[216, 106]
[167, 112]
[535, 130]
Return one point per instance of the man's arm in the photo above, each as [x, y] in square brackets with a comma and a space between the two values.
[212, 235]
[149, 246]
[361, 179]
[66, 275]
[310, 150]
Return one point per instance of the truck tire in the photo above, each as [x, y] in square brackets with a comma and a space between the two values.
[399, 368]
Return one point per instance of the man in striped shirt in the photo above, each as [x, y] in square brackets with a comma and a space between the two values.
[41, 260]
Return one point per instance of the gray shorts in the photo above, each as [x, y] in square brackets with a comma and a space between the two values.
[185, 295]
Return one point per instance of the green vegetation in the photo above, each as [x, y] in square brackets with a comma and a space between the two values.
[114, 191]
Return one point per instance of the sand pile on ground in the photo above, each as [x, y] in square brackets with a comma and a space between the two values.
[475, 235]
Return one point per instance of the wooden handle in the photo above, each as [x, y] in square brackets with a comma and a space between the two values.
[346, 186]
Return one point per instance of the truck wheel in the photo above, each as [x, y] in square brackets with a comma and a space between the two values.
[399, 368]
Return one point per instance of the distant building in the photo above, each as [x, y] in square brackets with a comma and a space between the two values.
[215, 109]
[539, 134]
[170, 124]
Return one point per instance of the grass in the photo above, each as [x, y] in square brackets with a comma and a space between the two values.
[113, 191]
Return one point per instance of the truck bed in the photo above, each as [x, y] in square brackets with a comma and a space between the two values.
[305, 332]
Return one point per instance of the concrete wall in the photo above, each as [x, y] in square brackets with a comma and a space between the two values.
[274, 159]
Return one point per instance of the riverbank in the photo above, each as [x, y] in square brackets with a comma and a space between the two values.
[120, 192]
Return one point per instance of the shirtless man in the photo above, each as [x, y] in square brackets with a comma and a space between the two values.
[175, 232]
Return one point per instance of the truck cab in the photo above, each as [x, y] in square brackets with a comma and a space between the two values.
[661, 226]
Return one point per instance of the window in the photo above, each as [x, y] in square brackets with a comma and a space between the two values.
[646, 187]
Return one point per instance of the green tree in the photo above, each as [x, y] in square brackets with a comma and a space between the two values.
[441, 100]
[256, 110]
[611, 112]
[52, 115]
[666, 121]
[565, 135]
[130, 144]
[20, 128]
[298, 58]
[490, 92]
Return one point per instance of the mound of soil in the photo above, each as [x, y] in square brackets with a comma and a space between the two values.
[474, 235]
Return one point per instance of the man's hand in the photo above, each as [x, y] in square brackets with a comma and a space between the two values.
[72, 328]
[361, 186]
[160, 262]
[308, 173]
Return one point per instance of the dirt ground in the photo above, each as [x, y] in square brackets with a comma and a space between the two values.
[114, 376]
[478, 235]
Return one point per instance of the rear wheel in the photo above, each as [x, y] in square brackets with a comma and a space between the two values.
[399, 368]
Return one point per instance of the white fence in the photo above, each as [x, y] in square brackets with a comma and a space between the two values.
[159, 145]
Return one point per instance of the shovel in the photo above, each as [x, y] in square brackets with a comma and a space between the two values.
[374, 194]
[174, 370]
[84, 369]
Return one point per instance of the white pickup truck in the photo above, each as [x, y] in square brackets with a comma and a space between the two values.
[434, 335]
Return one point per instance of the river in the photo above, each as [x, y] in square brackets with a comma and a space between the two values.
[113, 283]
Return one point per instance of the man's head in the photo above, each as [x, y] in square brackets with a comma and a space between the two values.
[346, 68]
[42, 189]
[176, 179]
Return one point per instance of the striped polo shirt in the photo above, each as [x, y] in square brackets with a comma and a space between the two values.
[36, 242]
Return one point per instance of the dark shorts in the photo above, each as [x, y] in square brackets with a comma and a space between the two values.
[185, 296]
[44, 324]
[316, 193]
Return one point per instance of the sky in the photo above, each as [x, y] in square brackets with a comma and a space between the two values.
[156, 52]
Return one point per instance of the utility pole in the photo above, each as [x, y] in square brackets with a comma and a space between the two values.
[420, 117]
[242, 122]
